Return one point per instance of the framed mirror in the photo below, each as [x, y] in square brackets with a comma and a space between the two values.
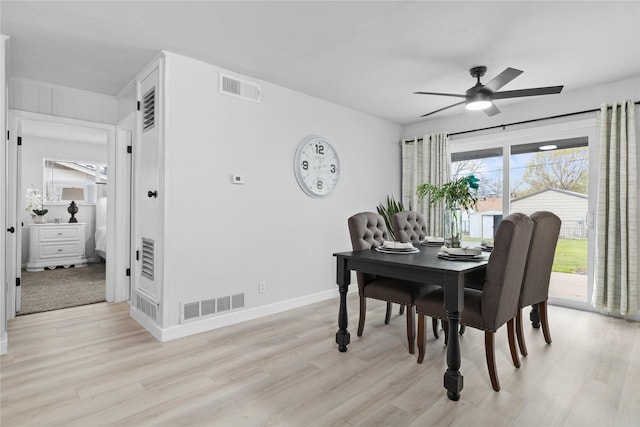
[59, 174]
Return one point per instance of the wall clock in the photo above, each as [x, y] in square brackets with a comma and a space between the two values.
[317, 166]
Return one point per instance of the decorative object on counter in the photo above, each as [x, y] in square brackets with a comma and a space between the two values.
[387, 212]
[455, 196]
[34, 204]
[72, 194]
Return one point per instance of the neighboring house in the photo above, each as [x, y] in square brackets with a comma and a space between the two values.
[570, 206]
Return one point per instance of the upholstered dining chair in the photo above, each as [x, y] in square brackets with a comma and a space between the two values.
[368, 231]
[410, 226]
[497, 303]
[535, 286]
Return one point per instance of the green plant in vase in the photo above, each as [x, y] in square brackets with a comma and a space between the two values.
[388, 211]
[454, 196]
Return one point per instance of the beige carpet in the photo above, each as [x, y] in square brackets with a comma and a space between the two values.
[62, 288]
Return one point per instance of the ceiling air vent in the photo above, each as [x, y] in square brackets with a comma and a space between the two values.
[149, 110]
[240, 88]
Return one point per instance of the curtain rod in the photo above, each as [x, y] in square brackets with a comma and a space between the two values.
[523, 122]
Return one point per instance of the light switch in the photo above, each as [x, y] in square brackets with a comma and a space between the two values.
[237, 179]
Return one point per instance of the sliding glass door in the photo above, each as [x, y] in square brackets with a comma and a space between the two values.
[545, 168]
[553, 176]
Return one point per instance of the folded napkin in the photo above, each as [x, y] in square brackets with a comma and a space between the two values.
[431, 239]
[461, 251]
[485, 244]
[396, 245]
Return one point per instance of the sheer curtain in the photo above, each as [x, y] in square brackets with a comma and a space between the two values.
[616, 279]
[426, 160]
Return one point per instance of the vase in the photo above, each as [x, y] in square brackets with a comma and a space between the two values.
[39, 219]
[453, 228]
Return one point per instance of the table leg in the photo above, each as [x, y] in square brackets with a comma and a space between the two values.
[534, 316]
[343, 278]
[454, 304]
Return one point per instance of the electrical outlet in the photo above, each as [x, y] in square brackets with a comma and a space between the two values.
[262, 287]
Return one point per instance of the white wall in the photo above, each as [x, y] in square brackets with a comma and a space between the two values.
[222, 238]
[3, 190]
[60, 101]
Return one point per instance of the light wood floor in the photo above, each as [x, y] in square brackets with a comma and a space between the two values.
[93, 365]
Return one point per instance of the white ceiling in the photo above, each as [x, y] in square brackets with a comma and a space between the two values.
[369, 56]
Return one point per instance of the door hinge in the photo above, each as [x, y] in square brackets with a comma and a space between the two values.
[17, 281]
[138, 105]
[19, 140]
[7, 135]
[129, 149]
[137, 255]
[128, 272]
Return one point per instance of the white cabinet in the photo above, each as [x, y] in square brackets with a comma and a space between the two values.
[51, 245]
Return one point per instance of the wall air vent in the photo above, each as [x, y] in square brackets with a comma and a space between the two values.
[196, 310]
[147, 258]
[147, 306]
[240, 88]
[149, 110]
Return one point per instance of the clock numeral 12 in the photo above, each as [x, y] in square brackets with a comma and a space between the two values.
[319, 149]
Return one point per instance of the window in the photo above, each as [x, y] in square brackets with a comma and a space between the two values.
[60, 174]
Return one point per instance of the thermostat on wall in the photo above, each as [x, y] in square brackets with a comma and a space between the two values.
[237, 179]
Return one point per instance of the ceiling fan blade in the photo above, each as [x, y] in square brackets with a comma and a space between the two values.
[549, 90]
[502, 79]
[491, 111]
[440, 94]
[445, 108]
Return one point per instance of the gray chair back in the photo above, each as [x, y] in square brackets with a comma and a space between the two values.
[367, 230]
[535, 287]
[505, 270]
[409, 226]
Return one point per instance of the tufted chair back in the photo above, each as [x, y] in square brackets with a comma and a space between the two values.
[505, 271]
[409, 226]
[535, 287]
[367, 231]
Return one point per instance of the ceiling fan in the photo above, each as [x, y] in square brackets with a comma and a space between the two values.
[481, 97]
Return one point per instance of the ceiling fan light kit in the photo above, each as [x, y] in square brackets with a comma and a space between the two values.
[480, 97]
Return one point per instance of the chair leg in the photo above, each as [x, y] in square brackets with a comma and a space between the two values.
[363, 314]
[411, 332]
[401, 309]
[489, 349]
[422, 337]
[544, 321]
[434, 325]
[520, 334]
[387, 316]
[512, 343]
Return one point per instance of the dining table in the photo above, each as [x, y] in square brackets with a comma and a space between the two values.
[424, 266]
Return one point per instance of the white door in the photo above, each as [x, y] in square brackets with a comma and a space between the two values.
[147, 190]
[13, 242]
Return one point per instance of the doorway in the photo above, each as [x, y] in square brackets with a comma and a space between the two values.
[77, 142]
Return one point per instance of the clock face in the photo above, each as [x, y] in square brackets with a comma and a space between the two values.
[317, 166]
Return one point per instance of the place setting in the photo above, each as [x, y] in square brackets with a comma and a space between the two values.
[462, 254]
[389, 247]
[432, 241]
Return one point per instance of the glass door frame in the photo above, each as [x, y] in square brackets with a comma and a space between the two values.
[539, 133]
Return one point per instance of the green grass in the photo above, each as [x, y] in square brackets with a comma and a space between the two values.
[571, 256]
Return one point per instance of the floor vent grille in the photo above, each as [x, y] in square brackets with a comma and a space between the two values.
[196, 310]
[148, 307]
